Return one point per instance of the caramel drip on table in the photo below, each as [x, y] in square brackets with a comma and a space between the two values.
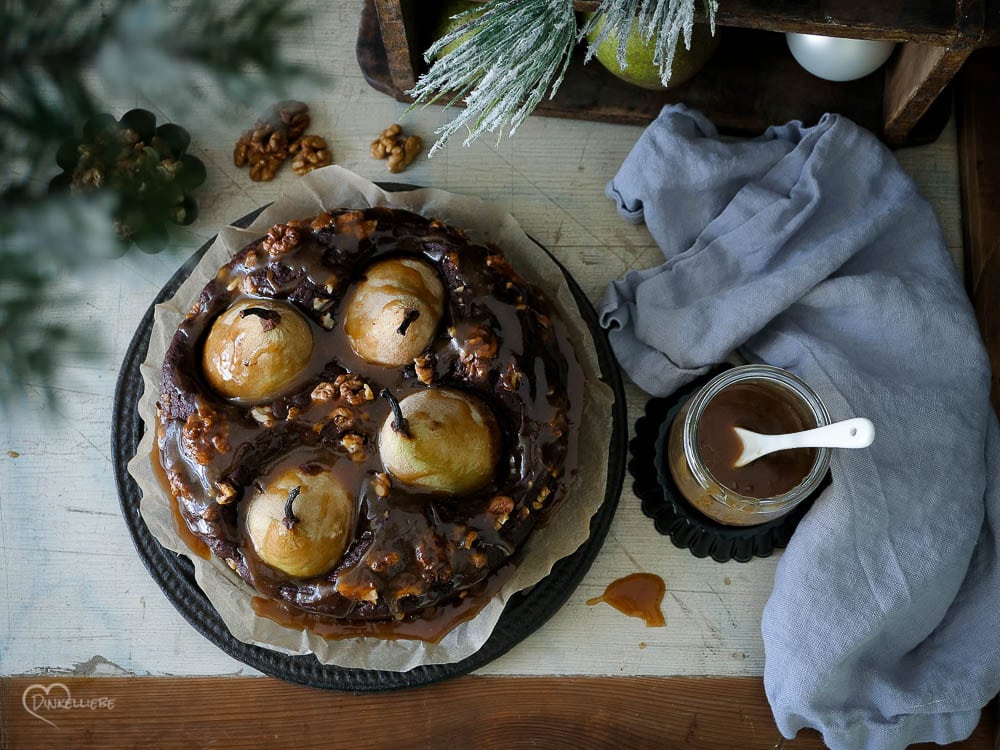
[636, 595]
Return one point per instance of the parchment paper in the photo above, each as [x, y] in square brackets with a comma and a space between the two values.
[331, 188]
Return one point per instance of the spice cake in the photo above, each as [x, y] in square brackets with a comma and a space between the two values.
[365, 413]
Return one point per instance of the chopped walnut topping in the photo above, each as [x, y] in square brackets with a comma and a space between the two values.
[478, 558]
[369, 393]
[204, 435]
[323, 392]
[294, 412]
[424, 367]
[430, 555]
[354, 445]
[363, 592]
[352, 388]
[501, 504]
[342, 418]
[384, 564]
[327, 321]
[227, 493]
[381, 484]
[321, 221]
[281, 239]
[510, 378]
[478, 352]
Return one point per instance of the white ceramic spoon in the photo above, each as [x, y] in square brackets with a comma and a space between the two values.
[850, 433]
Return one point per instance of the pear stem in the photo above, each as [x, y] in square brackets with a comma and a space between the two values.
[411, 315]
[399, 423]
[269, 319]
[290, 520]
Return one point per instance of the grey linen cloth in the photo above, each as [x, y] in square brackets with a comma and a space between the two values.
[811, 249]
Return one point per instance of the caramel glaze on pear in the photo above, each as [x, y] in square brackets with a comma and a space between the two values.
[393, 312]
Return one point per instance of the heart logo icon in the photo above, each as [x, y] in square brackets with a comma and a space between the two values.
[37, 700]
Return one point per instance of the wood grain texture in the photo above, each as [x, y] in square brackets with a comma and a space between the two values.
[978, 113]
[395, 24]
[913, 82]
[577, 713]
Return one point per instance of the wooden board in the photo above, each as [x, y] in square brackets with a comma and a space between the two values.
[978, 113]
[751, 82]
[471, 712]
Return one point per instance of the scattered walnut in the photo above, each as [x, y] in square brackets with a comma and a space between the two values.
[278, 133]
[397, 148]
[311, 152]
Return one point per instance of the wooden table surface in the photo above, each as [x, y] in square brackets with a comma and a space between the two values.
[77, 603]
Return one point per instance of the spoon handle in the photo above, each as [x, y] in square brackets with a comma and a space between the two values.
[850, 433]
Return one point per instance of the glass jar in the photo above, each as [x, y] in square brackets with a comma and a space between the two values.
[761, 398]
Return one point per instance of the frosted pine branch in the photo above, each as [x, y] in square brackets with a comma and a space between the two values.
[516, 50]
[519, 49]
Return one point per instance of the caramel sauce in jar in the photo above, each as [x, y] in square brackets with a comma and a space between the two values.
[762, 409]
[636, 595]
[703, 446]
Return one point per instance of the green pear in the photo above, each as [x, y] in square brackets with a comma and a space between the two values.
[256, 348]
[446, 24]
[301, 522]
[449, 442]
[640, 70]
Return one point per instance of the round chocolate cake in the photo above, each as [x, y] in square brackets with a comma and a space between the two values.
[365, 413]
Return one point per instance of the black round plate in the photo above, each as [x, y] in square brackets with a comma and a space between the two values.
[174, 573]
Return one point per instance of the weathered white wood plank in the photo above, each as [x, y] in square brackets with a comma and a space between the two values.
[73, 592]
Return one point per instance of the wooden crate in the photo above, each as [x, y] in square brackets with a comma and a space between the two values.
[752, 81]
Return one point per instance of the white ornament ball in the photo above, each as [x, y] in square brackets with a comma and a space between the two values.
[838, 59]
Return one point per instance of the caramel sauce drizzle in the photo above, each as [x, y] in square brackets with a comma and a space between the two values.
[193, 542]
[430, 627]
